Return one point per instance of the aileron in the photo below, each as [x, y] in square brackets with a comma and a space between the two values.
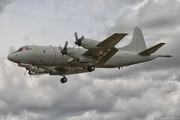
[112, 40]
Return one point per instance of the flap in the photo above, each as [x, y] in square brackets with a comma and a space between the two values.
[103, 59]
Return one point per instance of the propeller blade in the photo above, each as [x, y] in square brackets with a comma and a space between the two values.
[78, 40]
[60, 48]
[65, 46]
[81, 38]
[74, 47]
[64, 50]
[76, 36]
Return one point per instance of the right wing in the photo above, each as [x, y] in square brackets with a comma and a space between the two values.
[106, 50]
[112, 40]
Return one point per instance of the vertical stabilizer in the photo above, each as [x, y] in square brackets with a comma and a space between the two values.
[137, 43]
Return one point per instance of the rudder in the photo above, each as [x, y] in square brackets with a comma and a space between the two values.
[137, 43]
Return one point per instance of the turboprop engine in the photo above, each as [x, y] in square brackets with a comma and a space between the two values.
[75, 53]
[86, 43]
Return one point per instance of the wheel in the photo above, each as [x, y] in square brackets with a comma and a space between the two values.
[30, 72]
[91, 68]
[63, 80]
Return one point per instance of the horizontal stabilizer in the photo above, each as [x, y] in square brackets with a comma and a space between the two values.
[151, 49]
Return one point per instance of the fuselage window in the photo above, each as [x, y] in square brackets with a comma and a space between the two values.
[44, 51]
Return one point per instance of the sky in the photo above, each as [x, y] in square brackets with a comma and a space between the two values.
[146, 91]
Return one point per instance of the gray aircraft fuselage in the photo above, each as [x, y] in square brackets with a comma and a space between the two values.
[71, 60]
[51, 56]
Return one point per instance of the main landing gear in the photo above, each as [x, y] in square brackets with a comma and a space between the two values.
[63, 80]
[30, 72]
[91, 68]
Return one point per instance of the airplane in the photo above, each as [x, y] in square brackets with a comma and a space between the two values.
[93, 54]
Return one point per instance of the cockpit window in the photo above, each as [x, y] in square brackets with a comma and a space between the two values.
[20, 49]
[25, 48]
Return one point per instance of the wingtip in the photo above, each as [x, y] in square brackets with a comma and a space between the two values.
[120, 33]
[168, 55]
[165, 55]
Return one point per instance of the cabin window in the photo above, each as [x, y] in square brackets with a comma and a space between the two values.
[44, 51]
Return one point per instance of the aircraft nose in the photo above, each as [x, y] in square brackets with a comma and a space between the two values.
[10, 57]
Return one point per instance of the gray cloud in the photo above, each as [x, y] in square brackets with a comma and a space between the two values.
[159, 23]
[11, 49]
[151, 15]
[4, 3]
[146, 91]
[43, 97]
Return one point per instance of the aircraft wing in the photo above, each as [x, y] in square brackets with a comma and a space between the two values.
[112, 40]
[106, 50]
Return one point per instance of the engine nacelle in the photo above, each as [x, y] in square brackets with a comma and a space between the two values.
[88, 43]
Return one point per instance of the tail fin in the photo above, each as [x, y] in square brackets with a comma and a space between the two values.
[137, 43]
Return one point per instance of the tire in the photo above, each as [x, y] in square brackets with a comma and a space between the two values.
[63, 80]
[91, 68]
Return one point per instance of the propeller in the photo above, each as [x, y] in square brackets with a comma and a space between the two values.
[64, 50]
[78, 40]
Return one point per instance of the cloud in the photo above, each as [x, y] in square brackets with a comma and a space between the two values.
[146, 91]
[4, 3]
[153, 18]
[11, 49]
[43, 97]
[150, 15]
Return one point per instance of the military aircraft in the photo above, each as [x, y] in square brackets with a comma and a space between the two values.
[94, 54]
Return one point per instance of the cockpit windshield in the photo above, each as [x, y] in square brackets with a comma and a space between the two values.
[25, 48]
